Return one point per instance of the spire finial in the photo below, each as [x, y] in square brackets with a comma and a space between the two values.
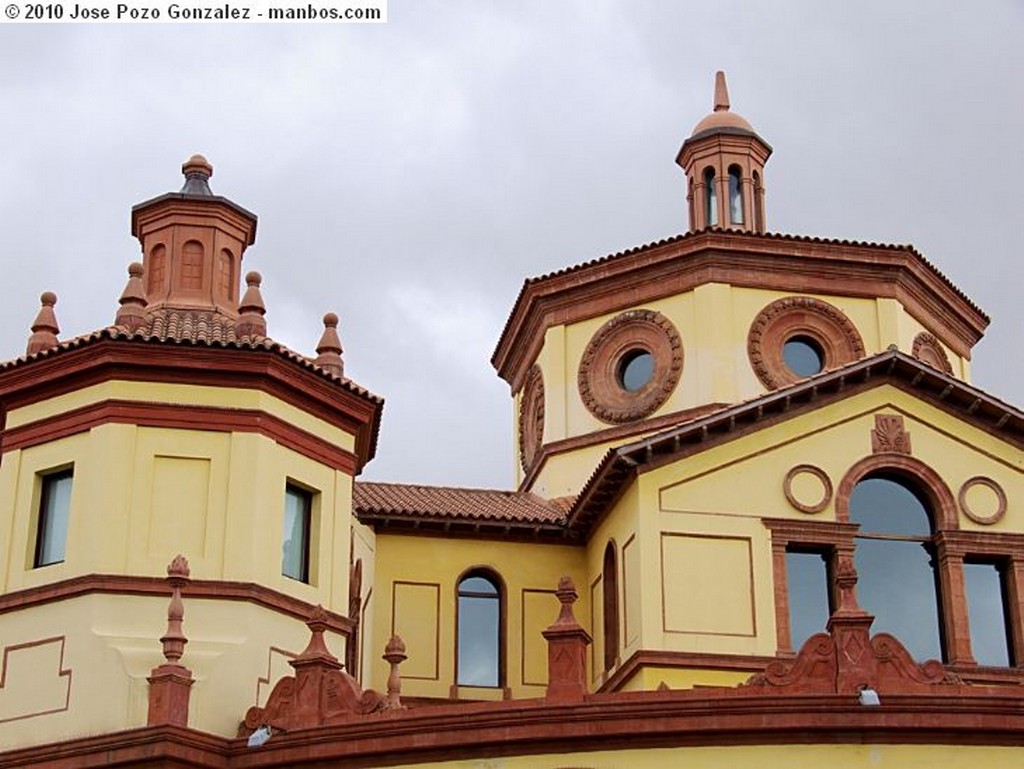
[197, 171]
[44, 328]
[132, 312]
[251, 309]
[328, 349]
[721, 93]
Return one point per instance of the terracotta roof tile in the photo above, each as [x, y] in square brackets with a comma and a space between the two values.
[398, 500]
[201, 329]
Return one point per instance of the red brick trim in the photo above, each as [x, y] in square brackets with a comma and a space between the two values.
[62, 672]
[782, 263]
[927, 349]
[531, 417]
[926, 479]
[186, 417]
[211, 589]
[598, 377]
[338, 403]
[793, 316]
[960, 715]
[817, 472]
[986, 520]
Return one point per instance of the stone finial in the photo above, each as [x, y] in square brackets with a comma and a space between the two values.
[394, 655]
[328, 349]
[170, 683]
[44, 328]
[316, 649]
[132, 312]
[721, 93]
[251, 309]
[197, 171]
[567, 649]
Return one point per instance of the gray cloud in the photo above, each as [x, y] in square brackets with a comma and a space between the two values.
[409, 176]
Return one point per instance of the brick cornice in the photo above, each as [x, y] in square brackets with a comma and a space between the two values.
[181, 416]
[104, 357]
[784, 263]
[213, 589]
[635, 720]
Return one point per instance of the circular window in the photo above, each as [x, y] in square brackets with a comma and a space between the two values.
[803, 356]
[636, 368]
[631, 366]
[797, 337]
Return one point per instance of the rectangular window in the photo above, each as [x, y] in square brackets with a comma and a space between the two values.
[986, 612]
[298, 513]
[54, 504]
[809, 597]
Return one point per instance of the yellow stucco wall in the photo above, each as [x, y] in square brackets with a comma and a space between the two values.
[762, 756]
[415, 596]
[713, 321]
[65, 659]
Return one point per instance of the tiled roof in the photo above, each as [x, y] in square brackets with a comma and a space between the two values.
[772, 236]
[406, 502]
[200, 329]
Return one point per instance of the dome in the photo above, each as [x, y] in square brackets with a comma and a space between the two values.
[722, 118]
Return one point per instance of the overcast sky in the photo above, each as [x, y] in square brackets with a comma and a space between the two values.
[409, 176]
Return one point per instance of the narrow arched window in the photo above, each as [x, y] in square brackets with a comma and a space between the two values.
[610, 579]
[710, 198]
[735, 196]
[758, 203]
[895, 563]
[479, 633]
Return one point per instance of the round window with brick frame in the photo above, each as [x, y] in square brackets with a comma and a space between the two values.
[799, 336]
[631, 366]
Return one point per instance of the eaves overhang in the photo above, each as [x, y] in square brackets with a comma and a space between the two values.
[621, 465]
[262, 364]
[796, 264]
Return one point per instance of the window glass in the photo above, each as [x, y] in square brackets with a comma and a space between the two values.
[807, 586]
[295, 548]
[479, 632]
[735, 196]
[710, 197]
[54, 504]
[636, 370]
[896, 573]
[986, 610]
[610, 579]
[803, 356]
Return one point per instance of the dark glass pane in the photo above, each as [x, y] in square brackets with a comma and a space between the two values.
[896, 583]
[711, 197]
[986, 612]
[735, 198]
[54, 504]
[807, 582]
[295, 547]
[478, 640]
[802, 356]
[882, 506]
[636, 370]
[477, 585]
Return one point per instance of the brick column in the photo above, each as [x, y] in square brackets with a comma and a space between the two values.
[567, 650]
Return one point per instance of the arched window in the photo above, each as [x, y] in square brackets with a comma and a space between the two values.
[610, 580]
[735, 196]
[758, 203]
[226, 274]
[479, 659]
[710, 198]
[895, 564]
